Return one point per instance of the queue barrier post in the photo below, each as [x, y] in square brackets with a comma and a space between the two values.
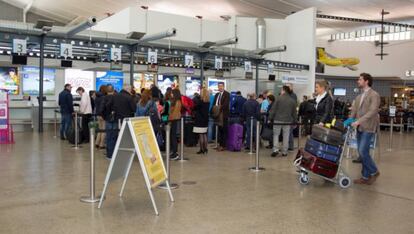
[91, 198]
[391, 134]
[217, 130]
[167, 160]
[251, 135]
[257, 167]
[300, 131]
[76, 146]
[55, 123]
[182, 159]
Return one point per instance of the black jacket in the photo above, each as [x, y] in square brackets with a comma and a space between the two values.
[324, 110]
[201, 113]
[122, 106]
[66, 102]
[225, 104]
[307, 110]
[251, 108]
[99, 101]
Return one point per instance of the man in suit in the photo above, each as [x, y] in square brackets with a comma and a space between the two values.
[365, 110]
[222, 101]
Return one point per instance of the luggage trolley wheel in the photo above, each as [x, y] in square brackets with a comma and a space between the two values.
[344, 182]
[303, 178]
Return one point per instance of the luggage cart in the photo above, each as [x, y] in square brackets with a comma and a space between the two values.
[341, 178]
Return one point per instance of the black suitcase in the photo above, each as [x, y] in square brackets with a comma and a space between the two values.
[70, 135]
[326, 135]
[190, 138]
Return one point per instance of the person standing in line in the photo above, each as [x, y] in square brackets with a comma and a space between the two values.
[211, 127]
[323, 103]
[238, 104]
[283, 112]
[175, 117]
[251, 109]
[366, 112]
[201, 109]
[85, 109]
[66, 110]
[307, 112]
[145, 104]
[271, 98]
[265, 104]
[294, 98]
[221, 111]
[100, 136]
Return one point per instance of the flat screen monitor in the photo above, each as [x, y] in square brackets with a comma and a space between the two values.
[9, 80]
[19, 59]
[30, 77]
[66, 63]
[339, 92]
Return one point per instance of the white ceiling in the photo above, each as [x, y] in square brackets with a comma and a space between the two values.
[66, 11]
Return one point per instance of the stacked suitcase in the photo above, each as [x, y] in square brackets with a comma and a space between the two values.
[322, 153]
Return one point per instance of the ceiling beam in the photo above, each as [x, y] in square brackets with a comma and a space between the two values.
[356, 20]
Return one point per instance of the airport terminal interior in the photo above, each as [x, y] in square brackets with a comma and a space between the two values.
[215, 116]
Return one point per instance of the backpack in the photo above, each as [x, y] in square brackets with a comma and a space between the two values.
[152, 112]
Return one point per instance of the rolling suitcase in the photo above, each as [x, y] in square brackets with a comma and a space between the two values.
[235, 137]
[317, 165]
[326, 135]
[71, 134]
[322, 150]
[190, 138]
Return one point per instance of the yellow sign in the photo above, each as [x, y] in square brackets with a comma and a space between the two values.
[149, 151]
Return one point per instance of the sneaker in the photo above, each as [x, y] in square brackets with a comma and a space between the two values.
[174, 157]
[284, 155]
[358, 160]
[108, 158]
[274, 154]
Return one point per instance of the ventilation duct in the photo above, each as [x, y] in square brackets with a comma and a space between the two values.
[261, 33]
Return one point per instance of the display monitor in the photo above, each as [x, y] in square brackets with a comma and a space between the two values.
[66, 63]
[9, 80]
[30, 77]
[213, 84]
[78, 78]
[143, 80]
[114, 78]
[19, 59]
[339, 92]
[192, 86]
[165, 81]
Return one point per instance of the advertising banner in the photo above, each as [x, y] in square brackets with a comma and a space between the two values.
[31, 79]
[114, 78]
[213, 84]
[9, 80]
[295, 79]
[78, 78]
[4, 109]
[192, 85]
[143, 80]
[165, 81]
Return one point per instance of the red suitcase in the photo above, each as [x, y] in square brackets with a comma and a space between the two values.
[317, 165]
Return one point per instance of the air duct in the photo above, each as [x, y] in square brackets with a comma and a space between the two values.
[169, 33]
[82, 26]
[261, 33]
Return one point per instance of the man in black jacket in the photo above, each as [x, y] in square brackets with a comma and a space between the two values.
[250, 109]
[115, 108]
[66, 110]
[222, 101]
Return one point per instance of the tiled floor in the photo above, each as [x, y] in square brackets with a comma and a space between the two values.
[42, 178]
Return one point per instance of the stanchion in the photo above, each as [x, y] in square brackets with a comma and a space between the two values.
[300, 131]
[391, 134]
[91, 198]
[251, 136]
[401, 125]
[257, 168]
[217, 130]
[76, 146]
[55, 123]
[167, 160]
[182, 159]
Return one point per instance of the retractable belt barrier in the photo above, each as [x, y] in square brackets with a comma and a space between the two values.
[167, 160]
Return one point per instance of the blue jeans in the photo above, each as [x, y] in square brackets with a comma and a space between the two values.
[364, 140]
[65, 123]
[248, 130]
[111, 137]
[211, 130]
[291, 139]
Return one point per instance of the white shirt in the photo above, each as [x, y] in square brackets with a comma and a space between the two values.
[219, 98]
[319, 99]
[85, 106]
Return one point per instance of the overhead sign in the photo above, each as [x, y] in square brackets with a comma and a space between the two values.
[152, 57]
[393, 110]
[137, 138]
[189, 61]
[218, 64]
[248, 66]
[270, 68]
[116, 54]
[409, 74]
[19, 46]
[249, 75]
[66, 50]
[295, 79]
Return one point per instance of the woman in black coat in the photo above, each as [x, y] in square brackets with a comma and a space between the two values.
[323, 103]
[201, 109]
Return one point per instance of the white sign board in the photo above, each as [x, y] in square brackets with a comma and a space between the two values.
[152, 57]
[218, 64]
[19, 46]
[295, 79]
[189, 61]
[78, 78]
[393, 110]
[248, 66]
[270, 68]
[66, 50]
[116, 54]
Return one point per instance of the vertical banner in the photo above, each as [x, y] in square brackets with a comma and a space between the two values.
[270, 68]
[218, 64]
[66, 50]
[19, 46]
[248, 66]
[116, 54]
[152, 57]
[4, 109]
[189, 61]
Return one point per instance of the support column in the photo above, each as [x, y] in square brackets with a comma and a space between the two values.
[257, 77]
[41, 75]
[131, 65]
[202, 56]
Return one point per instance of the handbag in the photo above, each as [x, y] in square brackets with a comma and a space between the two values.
[215, 112]
[267, 133]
